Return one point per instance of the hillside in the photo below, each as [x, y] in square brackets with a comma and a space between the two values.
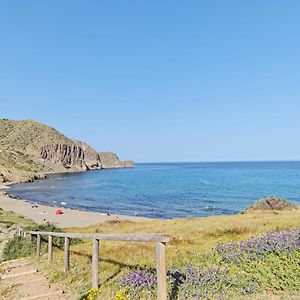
[29, 149]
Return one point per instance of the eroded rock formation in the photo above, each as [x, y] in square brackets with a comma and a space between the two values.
[67, 155]
[111, 160]
[29, 148]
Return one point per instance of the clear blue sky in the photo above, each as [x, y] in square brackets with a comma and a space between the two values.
[157, 80]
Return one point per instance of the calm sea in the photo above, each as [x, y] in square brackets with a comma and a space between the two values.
[168, 190]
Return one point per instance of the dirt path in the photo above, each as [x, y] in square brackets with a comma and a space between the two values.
[20, 279]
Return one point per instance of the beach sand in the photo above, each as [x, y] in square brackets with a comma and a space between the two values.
[70, 218]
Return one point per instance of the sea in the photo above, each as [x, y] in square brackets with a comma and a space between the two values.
[168, 190]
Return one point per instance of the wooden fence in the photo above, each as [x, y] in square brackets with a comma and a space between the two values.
[159, 239]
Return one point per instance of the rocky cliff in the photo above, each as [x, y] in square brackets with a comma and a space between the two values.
[111, 160]
[63, 156]
[29, 148]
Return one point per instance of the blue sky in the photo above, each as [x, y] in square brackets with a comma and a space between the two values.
[157, 80]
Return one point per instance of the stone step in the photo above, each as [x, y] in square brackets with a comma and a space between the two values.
[18, 269]
[53, 295]
[7, 268]
[13, 262]
[21, 280]
[14, 275]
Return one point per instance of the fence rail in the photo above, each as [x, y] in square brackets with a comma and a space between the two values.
[160, 240]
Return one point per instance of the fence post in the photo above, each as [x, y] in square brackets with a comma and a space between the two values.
[67, 255]
[161, 271]
[29, 236]
[50, 248]
[38, 245]
[95, 264]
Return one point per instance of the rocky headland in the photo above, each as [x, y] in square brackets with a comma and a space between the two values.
[29, 149]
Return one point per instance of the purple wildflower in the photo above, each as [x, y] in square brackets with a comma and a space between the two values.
[259, 246]
[145, 279]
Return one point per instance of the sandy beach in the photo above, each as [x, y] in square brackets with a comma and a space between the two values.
[70, 217]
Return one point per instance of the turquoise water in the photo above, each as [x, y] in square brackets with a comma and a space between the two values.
[168, 190]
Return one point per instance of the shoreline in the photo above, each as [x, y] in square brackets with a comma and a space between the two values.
[44, 214]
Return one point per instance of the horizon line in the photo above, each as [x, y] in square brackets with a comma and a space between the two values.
[218, 161]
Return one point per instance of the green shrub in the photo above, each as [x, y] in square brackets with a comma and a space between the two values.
[18, 247]
[6, 224]
[272, 203]
[57, 241]
[43, 227]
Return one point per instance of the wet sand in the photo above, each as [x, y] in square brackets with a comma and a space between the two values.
[71, 217]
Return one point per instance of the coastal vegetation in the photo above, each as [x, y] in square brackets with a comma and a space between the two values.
[254, 255]
[272, 203]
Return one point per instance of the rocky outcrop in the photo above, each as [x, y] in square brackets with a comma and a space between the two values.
[128, 164]
[15, 175]
[91, 157]
[80, 156]
[69, 156]
[28, 148]
[272, 203]
[3, 177]
[111, 160]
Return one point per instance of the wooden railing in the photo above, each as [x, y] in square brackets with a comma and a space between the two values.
[159, 239]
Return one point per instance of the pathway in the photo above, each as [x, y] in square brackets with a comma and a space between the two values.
[19, 279]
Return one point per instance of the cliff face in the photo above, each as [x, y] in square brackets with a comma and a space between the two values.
[91, 157]
[111, 160]
[29, 148]
[68, 156]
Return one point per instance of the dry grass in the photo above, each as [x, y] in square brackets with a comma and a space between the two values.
[20, 135]
[192, 239]
[8, 218]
